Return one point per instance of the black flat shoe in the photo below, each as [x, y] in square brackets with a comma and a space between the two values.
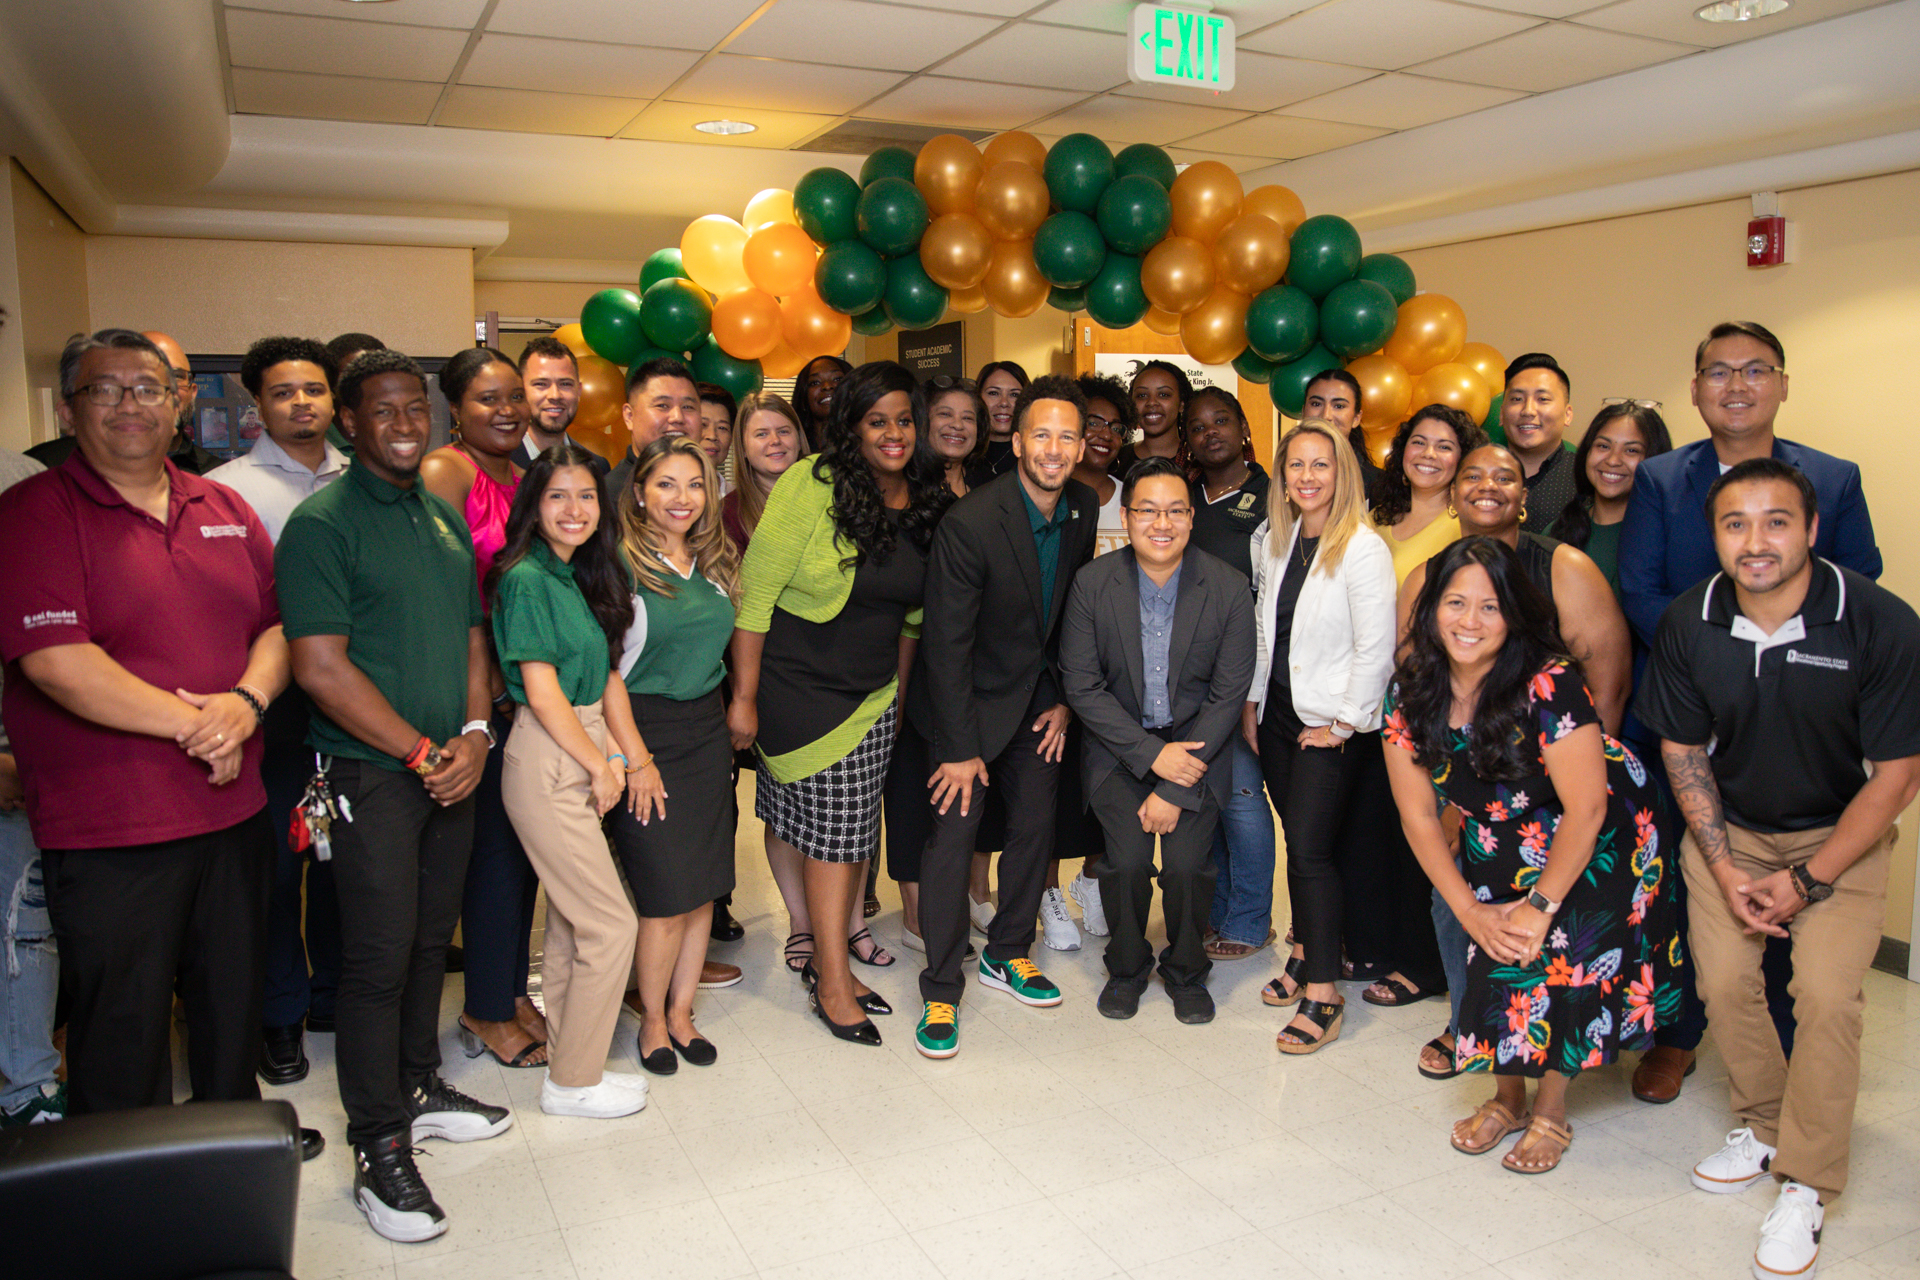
[660, 1062]
[456, 959]
[283, 1056]
[1192, 1005]
[861, 1032]
[725, 928]
[311, 1144]
[1120, 998]
[872, 1002]
[698, 1052]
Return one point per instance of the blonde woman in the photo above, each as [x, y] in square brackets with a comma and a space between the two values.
[1323, 621]
[767, 439]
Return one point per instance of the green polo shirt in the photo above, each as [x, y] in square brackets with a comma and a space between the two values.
[1046, 542]
[677, 646]
[539, 615]
[392, 570]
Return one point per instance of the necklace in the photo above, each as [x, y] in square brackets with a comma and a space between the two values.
[1306, 552]
[1226, 489]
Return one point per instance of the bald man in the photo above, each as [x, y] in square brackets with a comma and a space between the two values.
[184, 452]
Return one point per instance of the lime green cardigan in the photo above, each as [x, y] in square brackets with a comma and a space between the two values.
[793, 562]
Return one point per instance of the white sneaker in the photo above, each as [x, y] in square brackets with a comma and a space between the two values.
[912, 941]
[603, 1101]
[1735, 1167]
[625, 1080]
[981, 913]
[1790, 1235]
[1056, 925]
[1086, 891]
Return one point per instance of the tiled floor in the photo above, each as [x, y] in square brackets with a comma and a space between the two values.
[1062, 1146]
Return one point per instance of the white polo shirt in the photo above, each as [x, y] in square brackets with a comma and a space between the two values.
[273, 483]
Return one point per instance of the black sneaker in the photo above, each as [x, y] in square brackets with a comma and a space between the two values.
[441, 1111]
[388, 1190]
[1120, 998]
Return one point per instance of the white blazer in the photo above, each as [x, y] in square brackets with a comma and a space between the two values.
[1340, 647]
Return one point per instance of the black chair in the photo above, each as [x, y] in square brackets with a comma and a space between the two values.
[161, 1193]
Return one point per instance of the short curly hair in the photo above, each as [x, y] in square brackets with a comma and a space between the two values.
[268, 352]
[371, 364]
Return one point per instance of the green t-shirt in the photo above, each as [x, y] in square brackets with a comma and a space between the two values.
[392, 570]
[677, 645]
[539, 615]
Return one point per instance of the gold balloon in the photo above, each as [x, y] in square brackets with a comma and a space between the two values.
[780, 259]
[1206, 197]
[956, 250]
[783, 362]
[1431, 330]
[1177, 274]
[1277, 203]
[1216, 331]
[711, 250]
[747, 323]
[968, 301]
[1380, 443]
[947, 171]
[1012, 200]
[1164, 323]
[775, 204]
[1014, 285]
[1021, 148]
[1488, 363]
[1250, 254]
[569, 336]
[811, 327]
[597, 422]
[1456, 385]
[1386, 393]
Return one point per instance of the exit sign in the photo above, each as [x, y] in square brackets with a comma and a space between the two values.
[1180, 46]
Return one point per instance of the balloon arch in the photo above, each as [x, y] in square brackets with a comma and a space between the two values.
[1241, 277]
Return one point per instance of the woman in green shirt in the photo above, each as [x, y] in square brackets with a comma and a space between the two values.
[1623, 435]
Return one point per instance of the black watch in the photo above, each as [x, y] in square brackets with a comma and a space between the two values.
[1809, 888]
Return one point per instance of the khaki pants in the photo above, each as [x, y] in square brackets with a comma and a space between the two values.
[591, 928]
[1805, 1110]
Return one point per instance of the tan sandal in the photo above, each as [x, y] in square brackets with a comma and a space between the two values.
[1542, 1130]
[1219, 948]
[1491, 1109]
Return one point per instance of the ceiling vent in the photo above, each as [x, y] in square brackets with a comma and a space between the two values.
[864, 137]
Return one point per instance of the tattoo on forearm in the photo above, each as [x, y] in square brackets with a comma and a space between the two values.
[1691, 774]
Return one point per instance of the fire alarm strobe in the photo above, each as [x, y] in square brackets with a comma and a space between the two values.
[1767, 241]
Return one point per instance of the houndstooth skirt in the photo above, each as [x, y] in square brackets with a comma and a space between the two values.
[832, 815]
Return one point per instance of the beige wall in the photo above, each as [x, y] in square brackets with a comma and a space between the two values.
[548, 301]
[45, 284]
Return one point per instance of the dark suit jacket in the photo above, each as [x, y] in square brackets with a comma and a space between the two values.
[1210, 660]
[986, 658]
[1667, 544]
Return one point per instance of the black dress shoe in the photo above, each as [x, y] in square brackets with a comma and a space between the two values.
[1191, 1004]
[872, 1002]
[698, 1051]
[311, 1144]
[1120, 998]
[861, 1032]
[321, 1023]
[283, 1057]
[456, 959]
[660, 1062]
[725, 928]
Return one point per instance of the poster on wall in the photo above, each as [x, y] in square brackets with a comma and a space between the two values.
[929, 353]
[1123, 365]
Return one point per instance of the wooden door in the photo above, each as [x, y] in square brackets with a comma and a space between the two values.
[1091, 339]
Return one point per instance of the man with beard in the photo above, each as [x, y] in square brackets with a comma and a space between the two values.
[551, 376]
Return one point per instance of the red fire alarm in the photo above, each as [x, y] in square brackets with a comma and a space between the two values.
[1767, 241]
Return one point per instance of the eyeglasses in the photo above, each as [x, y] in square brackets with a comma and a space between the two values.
[947, 382]
[1095, 420]
[1615, 401]
[1718, 375]
[1154, 515]
[108, 395]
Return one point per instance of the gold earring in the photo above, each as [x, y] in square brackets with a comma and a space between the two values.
[1451, 513]
[1523, 513]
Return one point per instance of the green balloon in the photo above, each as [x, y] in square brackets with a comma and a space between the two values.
[1115, 298]
[825, 200]
[610, 322]
[1147, 161]
[1135, 213]
[1067, 299]
[913, 300]
[712, 364]
[1393, 273]
[1326, 252]
[663, 264]
[676, 315]
[1249, 365]
[892, 217]
[1079, 170]
[1282, 323]
[873, 323]
[657, 353]
[851, 278]
[1288, 384]
[1357, 318]
[1496, 434]
[887, 162]
[1069, 250]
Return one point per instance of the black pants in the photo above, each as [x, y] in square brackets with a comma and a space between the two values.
[293, 988]
[400, 867]
[1387, 909]
[497, 910]
[1027, 786]
[1187, 876]
[133, 923]
[1312, 788]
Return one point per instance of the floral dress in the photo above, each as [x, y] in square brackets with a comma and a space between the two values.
[1607, 974]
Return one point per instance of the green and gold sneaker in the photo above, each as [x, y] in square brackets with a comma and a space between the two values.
[938, 1035]
[1020, 979]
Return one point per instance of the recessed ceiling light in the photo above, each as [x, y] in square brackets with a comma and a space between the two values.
[1739, 10]
[730, 128]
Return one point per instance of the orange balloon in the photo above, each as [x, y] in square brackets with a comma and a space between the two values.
[1386, 393]
[1164, 323]
[775, 204]
[711, 249]
[1380, 443]
[1277, 203]
[1206, 197]
[968, 301]
[783, 362]
[1431, 330]
[1488, 363]
[747, 323]
[1013, 284]
[1216, 331]
[1456, 385]
[811, 327]
[780, 259]
[1251, 254]
[1021, 148]
[947, 171]
[1177, 274]
[597, 423]
[575, 341]
[956, 250]
[1012, 200]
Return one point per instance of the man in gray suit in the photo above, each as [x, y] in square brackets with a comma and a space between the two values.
[1156, 656]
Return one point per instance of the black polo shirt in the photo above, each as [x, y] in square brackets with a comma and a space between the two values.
[1224, 527]
[1549, 490]
[1790, 717]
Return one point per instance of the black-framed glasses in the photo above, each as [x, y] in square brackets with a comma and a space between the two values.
[1109, 424]
[1614, 401]
[108, 395]
[1718, 375]
[1153, 515]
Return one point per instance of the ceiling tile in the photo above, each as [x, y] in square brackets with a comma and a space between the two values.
[573, 66]
[461, 14]
[1283, 137]
[674, 121]
[1543, 8]
[688, 26]
[1126, 120]
[1388, 34]
[1051, 57]
[1239, 164]
[968, 104]
[1261, 82]
[884, 36]
[1665, 21]
[1395, 101]
[522, 111]
[732, 80]
[333, 46]
[1552, 57]
[994, 8]
[1112, 15]
[292, 93]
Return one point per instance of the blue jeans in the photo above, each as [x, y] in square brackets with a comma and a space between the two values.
[1243, 852]
[1453, 940]
[31, 976]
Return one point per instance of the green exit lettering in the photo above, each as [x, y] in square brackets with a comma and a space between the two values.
[1181, 46]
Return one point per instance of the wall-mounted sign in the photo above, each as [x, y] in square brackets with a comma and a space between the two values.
[1180, 46]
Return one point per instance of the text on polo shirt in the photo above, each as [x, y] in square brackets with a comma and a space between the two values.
[223, 531]
[1817, 660]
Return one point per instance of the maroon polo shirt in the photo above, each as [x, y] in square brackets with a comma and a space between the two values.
[179, 605]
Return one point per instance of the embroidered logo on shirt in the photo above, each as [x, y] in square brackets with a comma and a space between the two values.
[223, 531]
[1817, 660]
[446, 535]
[50, 618]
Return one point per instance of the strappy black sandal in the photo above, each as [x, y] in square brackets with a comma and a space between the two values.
[1275, 992]
[873, 956]
[1327, 1017]
[797, 956]
[1398, 993]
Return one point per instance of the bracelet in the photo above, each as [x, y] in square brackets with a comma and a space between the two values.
[247, 695]
[635, 768]
[617, 756]
[424, 758]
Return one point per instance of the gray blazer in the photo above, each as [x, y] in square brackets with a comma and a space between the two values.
[1210, 657]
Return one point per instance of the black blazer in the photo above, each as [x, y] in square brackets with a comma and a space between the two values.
[985, 657]
[1210, 659]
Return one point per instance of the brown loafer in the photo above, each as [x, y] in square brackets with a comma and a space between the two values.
[1657, 1078]
[714, 975]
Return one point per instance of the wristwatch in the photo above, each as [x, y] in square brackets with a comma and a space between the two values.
[1810, 889]
[484, 726]
[1541, 902]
